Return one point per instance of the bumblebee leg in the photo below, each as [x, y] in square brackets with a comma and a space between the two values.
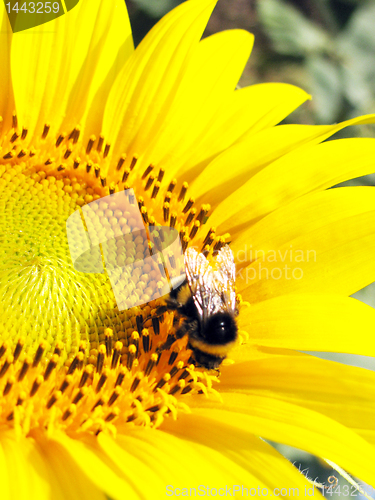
[172, 304]
[206, 360]
[237, 307]
[158, 317]
[186, 328]
[161, 310]
[168, 343]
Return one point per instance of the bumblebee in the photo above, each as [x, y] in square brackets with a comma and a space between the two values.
[205, 300]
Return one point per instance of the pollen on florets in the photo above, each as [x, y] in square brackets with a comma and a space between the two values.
[136, 379]
[69, 358]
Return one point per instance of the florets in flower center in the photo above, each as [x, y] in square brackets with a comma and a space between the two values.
[69, 358]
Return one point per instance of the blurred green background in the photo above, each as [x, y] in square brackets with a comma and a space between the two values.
[326, 47]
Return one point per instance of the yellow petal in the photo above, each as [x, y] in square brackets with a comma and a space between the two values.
[133, 469]
[250, 352]
[106, 26]
[67, 480]
[149, 81]
[343, 393]
[54, 62]
[179, 461]
[296, 426]
[6, 92]
[25, 471]
[96, 106]
[302, 215]
[89, 461]
[336, 257]
[248, 111]
[270, 103]
[305, 169]
[267, 467]
[368, 434]
[311, 323]
[157, 451]
[208, 83]
[4, 476]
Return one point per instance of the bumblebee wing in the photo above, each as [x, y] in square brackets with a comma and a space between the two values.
[200, 278]
[225, 276]
[225, 263]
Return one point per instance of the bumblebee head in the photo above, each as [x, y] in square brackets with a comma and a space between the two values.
[220, 329]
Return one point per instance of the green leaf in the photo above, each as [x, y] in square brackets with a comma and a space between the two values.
[291, 32]
[157, 8]
[357, 48]
[326, 88]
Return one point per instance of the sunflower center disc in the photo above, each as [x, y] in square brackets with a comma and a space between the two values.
[42, 295]
[69, 358]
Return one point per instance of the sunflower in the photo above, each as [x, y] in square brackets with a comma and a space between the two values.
[101, 401]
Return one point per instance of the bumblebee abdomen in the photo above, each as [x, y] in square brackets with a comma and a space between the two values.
[220, 351]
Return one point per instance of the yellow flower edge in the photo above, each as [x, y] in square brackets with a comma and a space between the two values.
[92, 403]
